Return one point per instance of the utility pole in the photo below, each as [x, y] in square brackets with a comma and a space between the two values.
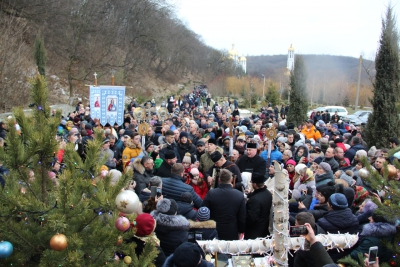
[358, 84]
[312, 91]
[263, 87]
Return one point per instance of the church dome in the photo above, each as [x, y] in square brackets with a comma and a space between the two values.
[232, 52]
[242, 58]
[291, 48]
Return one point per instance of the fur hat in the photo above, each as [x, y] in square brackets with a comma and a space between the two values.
[203, 214]
[252, 145]
[282, 139]
[187, 158]
[170, 154]
[145, 224]
[338, 201]
[325, 166]
[216, 156]
[167, 206]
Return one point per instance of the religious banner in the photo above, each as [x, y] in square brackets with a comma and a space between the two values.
[107, 104]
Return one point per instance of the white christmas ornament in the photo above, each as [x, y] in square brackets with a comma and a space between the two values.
[127, 202]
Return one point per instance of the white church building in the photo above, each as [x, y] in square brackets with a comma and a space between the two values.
[290, 59]
[239, 61]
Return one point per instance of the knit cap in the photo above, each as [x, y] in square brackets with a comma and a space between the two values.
[145, 224]
[186, 197]
[338, 201]
[194, 171]
[203, 214]
[167, 206]
[325, 166]
[187, 255]
[187, 158]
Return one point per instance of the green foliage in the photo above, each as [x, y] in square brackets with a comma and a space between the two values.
[386, 86]
[40, 55]
[298, 93]
[272, 94]
[78, 203]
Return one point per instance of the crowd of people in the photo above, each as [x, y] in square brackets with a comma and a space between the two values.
[204, 193]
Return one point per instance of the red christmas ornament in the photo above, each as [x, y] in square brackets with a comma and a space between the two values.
[122, 224]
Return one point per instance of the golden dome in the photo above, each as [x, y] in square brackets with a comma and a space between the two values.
[242, 58]
[291, 48]
[233, 52]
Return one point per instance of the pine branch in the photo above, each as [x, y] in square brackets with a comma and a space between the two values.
[17, 234]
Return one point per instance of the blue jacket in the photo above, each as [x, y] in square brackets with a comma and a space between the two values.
[173, 187]
[275, 155]
[351, 152]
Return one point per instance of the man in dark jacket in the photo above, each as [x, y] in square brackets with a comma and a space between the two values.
[173, 187]
[252, 162]
[229, 215]
[169, 145]
[258, 207]
[221, 163]
[339, 219]
[165, 168]
[355, 146]
[142, 172]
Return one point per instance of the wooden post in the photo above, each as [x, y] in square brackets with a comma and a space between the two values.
[281, 216]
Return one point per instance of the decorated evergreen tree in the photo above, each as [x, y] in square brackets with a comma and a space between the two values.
[298, 93]
[69, 220]
[40, 55]
[384, 120]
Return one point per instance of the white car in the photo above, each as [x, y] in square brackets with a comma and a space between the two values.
[341, 111]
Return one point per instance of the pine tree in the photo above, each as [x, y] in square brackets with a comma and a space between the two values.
[272, 95]
[77, 204]
[298, 93]
[40, 55]
[384, 121]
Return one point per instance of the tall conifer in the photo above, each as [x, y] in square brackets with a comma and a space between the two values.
[40, 55]
[384, 120]
[298, 93]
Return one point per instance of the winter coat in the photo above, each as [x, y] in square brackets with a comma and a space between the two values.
[207, 228]
[153, 138]
[173, 187]
[141, 176]
[375, 234]
[186, 210]
[258, 209]
[311, 133]
[333, 163]
[275, 155]
[172, 147]
[130, 151]
[230, 216]
[351, 152]
[201, 187]
[205, 160]
[164, 170]
[172, 230]
[342, 221]
[323, 179]
[233, 169]
[255, 164]
[186, 148]
[170, 263]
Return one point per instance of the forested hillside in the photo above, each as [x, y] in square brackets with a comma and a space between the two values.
[142, 41]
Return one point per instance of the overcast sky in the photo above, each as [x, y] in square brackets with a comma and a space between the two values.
[268, 27]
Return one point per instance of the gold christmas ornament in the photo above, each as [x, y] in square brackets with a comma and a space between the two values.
[127, 260]
[58, 242]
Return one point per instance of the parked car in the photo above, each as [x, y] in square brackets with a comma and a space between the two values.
[360, 116]
[342, 111]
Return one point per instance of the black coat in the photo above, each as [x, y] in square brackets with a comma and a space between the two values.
[141, 176]
[228, 209]
[186, 210]
[186, 148]
[164, 170]
[343, 221]
[256, 164]
[258, 208]
[170, 147]
[172, 230]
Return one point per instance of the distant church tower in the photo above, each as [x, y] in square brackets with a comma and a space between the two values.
[290, 59]
[239, 61]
